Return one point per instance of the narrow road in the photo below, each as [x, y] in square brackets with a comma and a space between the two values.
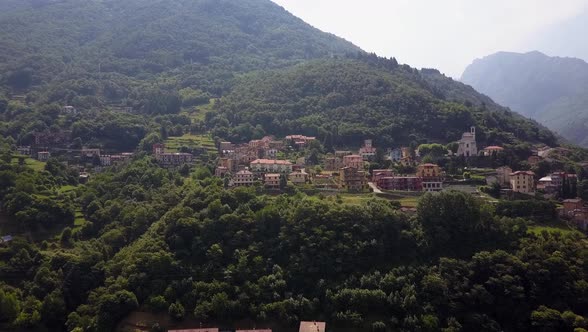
[374, 188]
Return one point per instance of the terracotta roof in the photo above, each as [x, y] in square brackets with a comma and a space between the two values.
[312, 326]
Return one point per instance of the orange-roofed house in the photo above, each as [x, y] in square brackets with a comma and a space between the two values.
[299, 140]
[492, 150]
[428, 171]
[432, 177]
[312, 327]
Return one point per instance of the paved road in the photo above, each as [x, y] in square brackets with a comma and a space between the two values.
[374, 188]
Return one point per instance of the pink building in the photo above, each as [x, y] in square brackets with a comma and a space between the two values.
[381, 173]
[354, 161]
[401, 183]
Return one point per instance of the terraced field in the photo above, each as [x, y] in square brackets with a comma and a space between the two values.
[173, 144]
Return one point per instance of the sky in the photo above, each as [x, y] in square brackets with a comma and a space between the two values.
[443, 34]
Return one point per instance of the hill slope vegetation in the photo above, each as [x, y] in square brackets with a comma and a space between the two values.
[342, 101]
[92, 52]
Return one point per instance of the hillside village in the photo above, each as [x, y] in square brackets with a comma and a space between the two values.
[257, 163]
[299, 161]
[229, 167]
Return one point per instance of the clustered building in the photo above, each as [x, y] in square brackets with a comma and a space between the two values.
[258, 161]
[576, 211]
[429, 178]
[169, 159]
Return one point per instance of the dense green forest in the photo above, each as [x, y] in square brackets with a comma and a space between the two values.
[551, 90]
[163, 242]
[344, 101]
[90, 53]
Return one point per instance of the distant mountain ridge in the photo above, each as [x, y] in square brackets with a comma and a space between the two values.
[552, 90]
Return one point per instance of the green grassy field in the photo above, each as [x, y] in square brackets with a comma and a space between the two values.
[356, 199]
[409, 201]
[406, 199]
[79, 220]
[36, 165]
[198, 113]
[539, 228]
[173, 144]
[65, 189]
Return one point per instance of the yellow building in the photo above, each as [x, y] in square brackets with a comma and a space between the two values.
[523, 182]
[428, 171]
[272, 180]
[298, 177]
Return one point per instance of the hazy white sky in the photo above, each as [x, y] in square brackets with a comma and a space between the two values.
[443, 34]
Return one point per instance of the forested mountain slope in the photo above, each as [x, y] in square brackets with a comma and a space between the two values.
[342, 101]
[551, 90]
[89, 52]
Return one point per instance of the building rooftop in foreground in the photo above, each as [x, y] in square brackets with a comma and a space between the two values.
[312, 326]
[211, 329]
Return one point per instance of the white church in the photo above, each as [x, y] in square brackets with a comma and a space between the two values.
[467, 144]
